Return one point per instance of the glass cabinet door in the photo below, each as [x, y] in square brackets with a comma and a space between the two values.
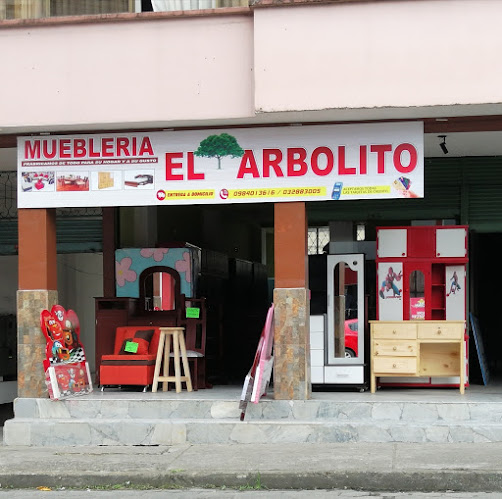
[345, 328]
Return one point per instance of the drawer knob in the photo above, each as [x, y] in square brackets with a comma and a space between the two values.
[395, 348]
[393, 365]
[393, 331]
[439, 331]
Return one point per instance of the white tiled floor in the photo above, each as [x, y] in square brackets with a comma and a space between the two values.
[474, 393]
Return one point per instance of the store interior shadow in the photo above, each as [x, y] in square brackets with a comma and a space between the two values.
[6, 412]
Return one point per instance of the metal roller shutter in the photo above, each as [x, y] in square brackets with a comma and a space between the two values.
[466, 189]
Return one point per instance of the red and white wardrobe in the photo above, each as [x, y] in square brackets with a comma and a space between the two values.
[421, 275]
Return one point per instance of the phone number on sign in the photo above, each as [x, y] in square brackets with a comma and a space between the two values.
[294, 191]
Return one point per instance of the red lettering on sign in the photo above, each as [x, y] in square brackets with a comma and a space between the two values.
[342, 169]
[79, 148]
[330, 161]
[122, 146]
[363, 160]
[398, 165]
[91, 147]
[272, 158]
[65, 148]
[297, 167]
[248, 169]
[107, 147]
[170, 165]
[381, 149]
[32, 149]
[53, 150]
[145, 147]
[191, 175]
[93, 153]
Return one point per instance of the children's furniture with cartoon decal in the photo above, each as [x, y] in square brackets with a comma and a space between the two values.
[421, 276]
[66, 369]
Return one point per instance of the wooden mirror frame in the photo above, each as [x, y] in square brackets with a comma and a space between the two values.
[177, 288]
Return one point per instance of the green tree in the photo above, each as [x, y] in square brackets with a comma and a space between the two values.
[217, 146]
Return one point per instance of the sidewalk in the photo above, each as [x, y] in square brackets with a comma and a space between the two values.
[430, 467]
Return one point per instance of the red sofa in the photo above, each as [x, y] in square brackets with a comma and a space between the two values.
[133, 358]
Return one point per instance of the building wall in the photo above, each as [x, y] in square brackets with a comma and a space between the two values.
[126, 73]
[377, 54]
[187, 70]
[80, 279]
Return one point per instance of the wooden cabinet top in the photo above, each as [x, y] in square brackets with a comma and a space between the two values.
[418, 322]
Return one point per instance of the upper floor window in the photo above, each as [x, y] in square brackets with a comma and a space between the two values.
[36, 9]
[169, 5]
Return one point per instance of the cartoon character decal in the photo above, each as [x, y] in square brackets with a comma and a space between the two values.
[389, 284]
[455, 286]
[66, 370]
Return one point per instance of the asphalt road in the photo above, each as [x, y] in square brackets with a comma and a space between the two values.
[236, 494]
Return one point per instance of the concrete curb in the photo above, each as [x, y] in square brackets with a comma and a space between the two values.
[419, 481]
[392, 467]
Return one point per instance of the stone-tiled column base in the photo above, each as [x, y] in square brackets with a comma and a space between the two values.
[31, 341]
[291, 344]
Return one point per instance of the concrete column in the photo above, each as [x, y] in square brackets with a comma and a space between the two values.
[37, 291]
[291, 302]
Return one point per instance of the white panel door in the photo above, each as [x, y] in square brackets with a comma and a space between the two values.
[455, 292]
[390, 291]
[391, 243]
[451, 243]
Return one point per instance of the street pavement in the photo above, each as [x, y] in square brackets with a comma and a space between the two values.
[374, 467]
[237, 494]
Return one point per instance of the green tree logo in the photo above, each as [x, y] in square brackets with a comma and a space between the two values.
[217, 146]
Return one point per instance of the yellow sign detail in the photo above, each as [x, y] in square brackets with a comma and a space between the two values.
[371, 189]
[276, 192]
[199, 194]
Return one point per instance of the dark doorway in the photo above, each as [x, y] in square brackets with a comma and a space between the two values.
[486, 300]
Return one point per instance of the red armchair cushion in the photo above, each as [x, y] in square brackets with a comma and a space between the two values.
[126, 368]
[142, 336]
[142, 349]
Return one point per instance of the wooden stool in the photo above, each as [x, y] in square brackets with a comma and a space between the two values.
[164, 348]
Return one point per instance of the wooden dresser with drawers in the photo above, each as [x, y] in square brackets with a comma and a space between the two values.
[417, 348]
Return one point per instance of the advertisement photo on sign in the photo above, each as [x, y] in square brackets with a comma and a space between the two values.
[106, 180]
[37, 181]
[72, 181]
[139, 179]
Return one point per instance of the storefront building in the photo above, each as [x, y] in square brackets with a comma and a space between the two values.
[342, 105]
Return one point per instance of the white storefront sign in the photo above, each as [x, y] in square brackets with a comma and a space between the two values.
[241, 165]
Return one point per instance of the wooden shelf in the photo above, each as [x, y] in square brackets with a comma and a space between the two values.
[417, 349]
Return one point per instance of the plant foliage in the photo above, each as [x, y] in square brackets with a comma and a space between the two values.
[217, 146]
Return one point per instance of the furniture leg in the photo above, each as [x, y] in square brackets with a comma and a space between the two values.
[177, 367]
[186, 368]
[167, 351]
[462, 367]
[195, 377]
[158, 362]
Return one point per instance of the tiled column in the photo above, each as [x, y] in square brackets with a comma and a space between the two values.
[291, 302]
[37, 291]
